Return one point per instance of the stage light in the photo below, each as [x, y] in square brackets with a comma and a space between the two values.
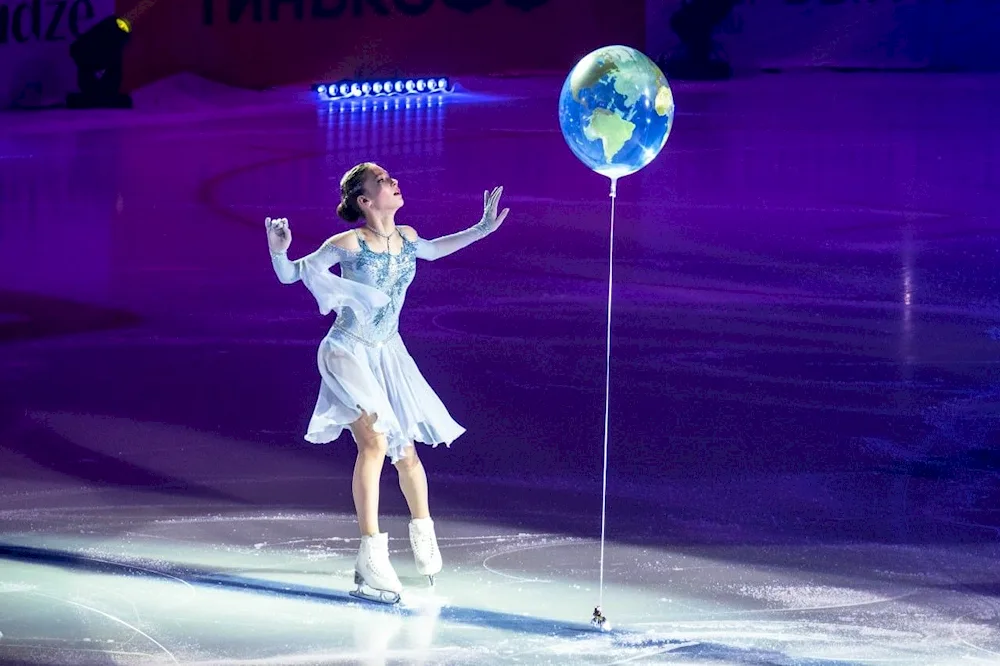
[101, 50]
[368, 89]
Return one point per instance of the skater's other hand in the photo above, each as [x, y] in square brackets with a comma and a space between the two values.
[279, 235]
[491, 201]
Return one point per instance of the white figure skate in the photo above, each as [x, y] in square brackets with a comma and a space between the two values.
[423, 541]
[373, 573]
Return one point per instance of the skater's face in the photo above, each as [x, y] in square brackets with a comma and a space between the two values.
[381, 192]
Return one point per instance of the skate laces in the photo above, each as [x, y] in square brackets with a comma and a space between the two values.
[424, 534]
[376, 559]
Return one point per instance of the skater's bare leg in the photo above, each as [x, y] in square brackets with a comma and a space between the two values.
[423, 540]
[367, 472]
[413, 483]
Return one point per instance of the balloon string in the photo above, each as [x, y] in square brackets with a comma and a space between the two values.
[607, 389]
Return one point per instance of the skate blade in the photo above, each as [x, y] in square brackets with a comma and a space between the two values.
[430, 575]
[371, 594]
[378, 596]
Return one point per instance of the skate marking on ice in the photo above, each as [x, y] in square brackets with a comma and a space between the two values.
[522, 579]
[653, 653]
[798, 609]
[469, 540]
[296, 542]
[811, 640]
[128, 565]
[16, 587]
[122, 564]
[115, 619]
[818, 607]
[453, 654]
[967, 523]
[160, 537]
[963, 640]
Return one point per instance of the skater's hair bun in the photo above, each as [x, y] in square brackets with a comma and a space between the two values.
[348, 212]
[352, 186]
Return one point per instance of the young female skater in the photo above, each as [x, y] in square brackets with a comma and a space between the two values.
[370, 384]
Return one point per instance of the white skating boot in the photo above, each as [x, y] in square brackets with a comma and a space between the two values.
[423, 541]
[373, 573]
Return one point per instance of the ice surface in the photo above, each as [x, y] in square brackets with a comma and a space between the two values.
[804, 408]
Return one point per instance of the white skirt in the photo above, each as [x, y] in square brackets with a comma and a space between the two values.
[384, 382]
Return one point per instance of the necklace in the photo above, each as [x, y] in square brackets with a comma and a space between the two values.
[386, 237]
[377, 233]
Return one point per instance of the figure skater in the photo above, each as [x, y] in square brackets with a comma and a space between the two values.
[369, 382]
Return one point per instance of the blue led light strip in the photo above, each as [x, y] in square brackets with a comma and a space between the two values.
[383, 88]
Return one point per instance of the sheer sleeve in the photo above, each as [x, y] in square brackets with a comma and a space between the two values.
[445, 245]
[331, 291]
[290, 272]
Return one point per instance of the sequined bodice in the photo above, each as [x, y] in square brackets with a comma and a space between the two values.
[389, 273]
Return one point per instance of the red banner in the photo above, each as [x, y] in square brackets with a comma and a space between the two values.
[262, 43]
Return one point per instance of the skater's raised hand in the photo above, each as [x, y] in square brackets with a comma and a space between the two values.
[491, 200]
[279, 235]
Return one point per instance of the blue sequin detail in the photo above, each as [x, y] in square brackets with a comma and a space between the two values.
[389, 273]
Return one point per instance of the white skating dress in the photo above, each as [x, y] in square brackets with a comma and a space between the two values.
[363, 363]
